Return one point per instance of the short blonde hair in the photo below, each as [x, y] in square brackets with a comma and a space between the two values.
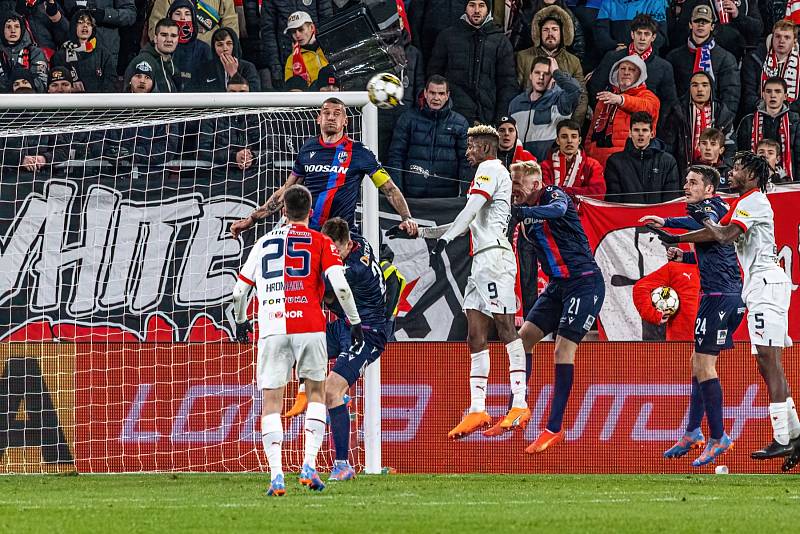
[481, 130]
[527, 168]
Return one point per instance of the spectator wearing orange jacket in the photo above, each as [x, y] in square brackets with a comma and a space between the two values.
[568, 166]
[685, 280]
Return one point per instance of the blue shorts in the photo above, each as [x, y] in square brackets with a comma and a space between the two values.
[718, 317]
[348, 365]
[569, 306]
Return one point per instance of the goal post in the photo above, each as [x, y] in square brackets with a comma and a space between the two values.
[44, 279]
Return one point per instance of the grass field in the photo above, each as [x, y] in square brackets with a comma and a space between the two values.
[401, 503]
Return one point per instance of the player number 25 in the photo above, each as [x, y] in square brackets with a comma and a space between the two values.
[291, 252]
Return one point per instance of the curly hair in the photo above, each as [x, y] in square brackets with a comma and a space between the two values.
[756, 165]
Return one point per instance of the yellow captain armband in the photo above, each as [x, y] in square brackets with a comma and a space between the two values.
[380, 177]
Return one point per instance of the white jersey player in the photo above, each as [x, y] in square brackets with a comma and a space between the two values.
[287, 267]
[489, 295]
[767, 290]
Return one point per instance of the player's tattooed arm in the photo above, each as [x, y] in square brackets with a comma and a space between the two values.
[398, 202]
[271, 206]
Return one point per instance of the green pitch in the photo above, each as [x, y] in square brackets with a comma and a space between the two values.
[401, 503]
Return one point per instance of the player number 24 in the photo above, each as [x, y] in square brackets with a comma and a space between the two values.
[277, 246]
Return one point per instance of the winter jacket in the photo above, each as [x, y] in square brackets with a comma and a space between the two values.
[566, 61]
[612, 26]
[739, 33]
[212, 78]
[637, 98]
[479, 66]
[589, 182]
[211, 15]
[518, 153]
[314, 58]
[752, 67]
[726, 73]
[770, 128]
[428, 18]
[677, 131]
[521, 32]
[111, 16]
[648, 176]
[45, 34]
[189, 57]
[92, 62]
[165, 75]
[684, 278]
[428, 142]
[537, 120]
[660, 79]
[276, 45]
[22, 55]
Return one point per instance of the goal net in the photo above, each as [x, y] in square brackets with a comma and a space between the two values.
[116, 274]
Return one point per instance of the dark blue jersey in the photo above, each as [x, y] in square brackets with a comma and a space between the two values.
[333, 173]
[557, 235]
[365, 277]
[717, 263]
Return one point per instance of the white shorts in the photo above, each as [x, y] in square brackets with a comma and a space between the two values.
[768, 315]
[490, 286]
[277, 355]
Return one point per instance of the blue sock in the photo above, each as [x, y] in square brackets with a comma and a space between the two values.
[563, 385]
[340, 429]
[528, 373]
[712, 400]
[695, 407]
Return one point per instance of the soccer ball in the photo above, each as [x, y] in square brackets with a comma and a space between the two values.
[385, 90]
[665, 299]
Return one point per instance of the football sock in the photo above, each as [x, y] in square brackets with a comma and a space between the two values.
[272, 440]
[794, 422]
[712, 400]
[563, 385]
[314, 431]
[695, 407]
[528, 373]
[340, 428]
[302, 388]
[779, 418]
[516, 373]
[478, 378]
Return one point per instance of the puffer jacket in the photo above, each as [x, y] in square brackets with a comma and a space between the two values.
[212, 78]
[428, 142]
[190, 56]
[46, 34]
[648, 176]
[92, 63]
[567, 62]
[211, 15]
[479, 66]
[23, 54]
[770, 130]
[636, 98]
[165, 76]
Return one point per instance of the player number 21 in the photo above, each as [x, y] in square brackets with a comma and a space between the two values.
[291, 252]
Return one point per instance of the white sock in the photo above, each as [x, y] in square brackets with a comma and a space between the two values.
[794, 422]
[272, 440]
[302, 388]
[779, 417]
[314, 431]
[478, 378]
[516, 373]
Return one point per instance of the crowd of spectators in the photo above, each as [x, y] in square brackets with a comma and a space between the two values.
[615, 98]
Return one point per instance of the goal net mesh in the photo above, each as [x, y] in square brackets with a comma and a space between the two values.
[116, 273]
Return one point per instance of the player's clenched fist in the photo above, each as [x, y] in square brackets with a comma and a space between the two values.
[243, 332]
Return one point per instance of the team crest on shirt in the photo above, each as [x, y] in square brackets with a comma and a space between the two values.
[483, 179]
[342, 157]
[742, 213]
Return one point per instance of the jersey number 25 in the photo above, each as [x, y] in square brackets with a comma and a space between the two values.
[277, 252]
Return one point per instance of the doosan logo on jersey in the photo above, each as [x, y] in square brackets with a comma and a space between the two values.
[325, 168]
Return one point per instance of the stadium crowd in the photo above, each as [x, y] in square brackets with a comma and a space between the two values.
[615, 98]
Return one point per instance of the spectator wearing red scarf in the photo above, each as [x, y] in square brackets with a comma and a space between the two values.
[307, 57]
[568, 166]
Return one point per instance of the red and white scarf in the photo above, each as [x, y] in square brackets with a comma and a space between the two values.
[644, 55]
[722, 16]
[784, 135]
[702, 117]
[299, 63]
[793, 11]
[564, 173]
[789, 70]
[702, 56]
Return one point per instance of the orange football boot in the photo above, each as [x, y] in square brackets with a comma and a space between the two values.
[545, 440]
[470, 423]
[516, 419]
[496, 429]
[300, 405]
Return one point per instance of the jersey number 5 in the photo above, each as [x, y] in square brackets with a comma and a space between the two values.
[291, 252]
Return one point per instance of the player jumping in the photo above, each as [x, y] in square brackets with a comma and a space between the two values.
[767, 290]
[287, 267]
[574, 295]
[489, 295]
[720, 312]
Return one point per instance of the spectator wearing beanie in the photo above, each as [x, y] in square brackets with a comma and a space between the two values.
[191, 54]
[46, 22]
[626, 94]
[778, 56]
[552, 32]
[570, 168]
[477, 60]
[21, 81]
[19, 52]
[211, 15]
[703, 53]
[59, 81]
[430, 141]
[296, 84]
[307, 56]
[327, 81]
[89, 60]
[227, 61]
[141, 80]
[510, 148]
[738, 24]
[276, 44]
[159, 56]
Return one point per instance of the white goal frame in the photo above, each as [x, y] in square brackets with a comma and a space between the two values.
[369, 193]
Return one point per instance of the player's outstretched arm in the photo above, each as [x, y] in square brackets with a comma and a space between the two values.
[427, 232]
[271, 206]
[344, 295]
[721, 233]
[464, 218]
[398, 202]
